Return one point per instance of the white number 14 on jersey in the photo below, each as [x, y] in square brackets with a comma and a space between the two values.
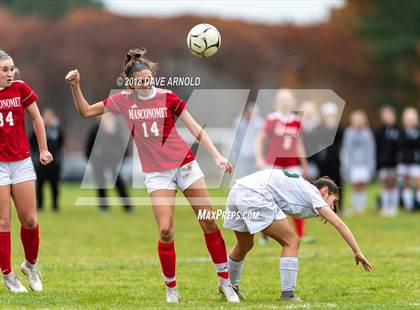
[9, 119]
[154, 129]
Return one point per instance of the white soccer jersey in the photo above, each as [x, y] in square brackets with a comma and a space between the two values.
[292, 194]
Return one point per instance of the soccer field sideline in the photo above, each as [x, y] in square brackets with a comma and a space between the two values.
[91, 260]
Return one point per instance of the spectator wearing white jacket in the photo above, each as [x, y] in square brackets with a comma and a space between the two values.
[358, 158]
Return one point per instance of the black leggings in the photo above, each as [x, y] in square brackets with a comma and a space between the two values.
[100, 179]
[51, 174]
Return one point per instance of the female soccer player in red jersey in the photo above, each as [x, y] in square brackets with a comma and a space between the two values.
[167, 160]
[285, 149]
[17, 173]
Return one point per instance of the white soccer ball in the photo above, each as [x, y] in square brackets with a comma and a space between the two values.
[204, 40]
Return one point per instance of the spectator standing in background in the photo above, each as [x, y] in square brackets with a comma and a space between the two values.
[51, 172]
[103, 153]
[387, 137]
[310, 122]
[328, 159]
[246, 126]
[408, 157]
[358, 158]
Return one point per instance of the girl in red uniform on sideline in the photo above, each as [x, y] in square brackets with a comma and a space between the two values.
[17, 175]
[285, 148]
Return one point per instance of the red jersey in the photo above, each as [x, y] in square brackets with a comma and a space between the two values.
[282, 133]
[14, 99]
[151, 121]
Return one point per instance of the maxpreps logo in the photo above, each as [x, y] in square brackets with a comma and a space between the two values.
[10, 103]
[226, 214]
[134, 113]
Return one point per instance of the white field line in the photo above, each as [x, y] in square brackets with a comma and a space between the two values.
[145, 201]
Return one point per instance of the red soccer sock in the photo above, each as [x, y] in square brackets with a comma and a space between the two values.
[5, 252]
[167, 259]
[30, 241]
[217, 249]
[300, 227]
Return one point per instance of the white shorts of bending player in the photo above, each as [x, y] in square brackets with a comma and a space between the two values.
[245, 201]
[182, 178]
[16, 172]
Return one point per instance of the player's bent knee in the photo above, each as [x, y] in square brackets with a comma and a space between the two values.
[29, 223]
[244, 248]
[166, 235]
[292, 242]
[208, 226]
[249, 247]
[4, 223]
[295, 242]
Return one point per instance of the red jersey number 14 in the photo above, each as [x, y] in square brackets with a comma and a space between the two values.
[8, 119]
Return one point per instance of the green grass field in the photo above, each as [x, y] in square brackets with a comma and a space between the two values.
[91, 260]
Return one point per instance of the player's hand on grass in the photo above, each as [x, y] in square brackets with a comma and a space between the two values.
[45, 157]
[223, 163]
[73, 77]
[359, 258]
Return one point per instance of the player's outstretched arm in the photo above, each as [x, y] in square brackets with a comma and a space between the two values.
[198, 132]
[347, 235]
[45, 156]
[85, 110]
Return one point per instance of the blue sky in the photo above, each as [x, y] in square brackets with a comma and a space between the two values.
[296, 11]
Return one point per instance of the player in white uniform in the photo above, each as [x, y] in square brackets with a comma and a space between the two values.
[262, 201]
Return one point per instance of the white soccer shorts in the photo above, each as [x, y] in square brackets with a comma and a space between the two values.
[360, 174]
[16, 172]
[182, 177]
[409, 170]
[385, 173]
[257, 212]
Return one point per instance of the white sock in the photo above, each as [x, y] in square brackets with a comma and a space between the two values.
[288, 273]
[235, 271]
[395, 197]
[9, 275]
[395, 200]
[28, 264]
[354, 200]
[358, 200]
[407, 196]
[385, 197]
[168, 280]
[363, 198]
[385, 201]
[222, 268]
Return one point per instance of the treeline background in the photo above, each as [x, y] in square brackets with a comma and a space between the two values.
[367, 52]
